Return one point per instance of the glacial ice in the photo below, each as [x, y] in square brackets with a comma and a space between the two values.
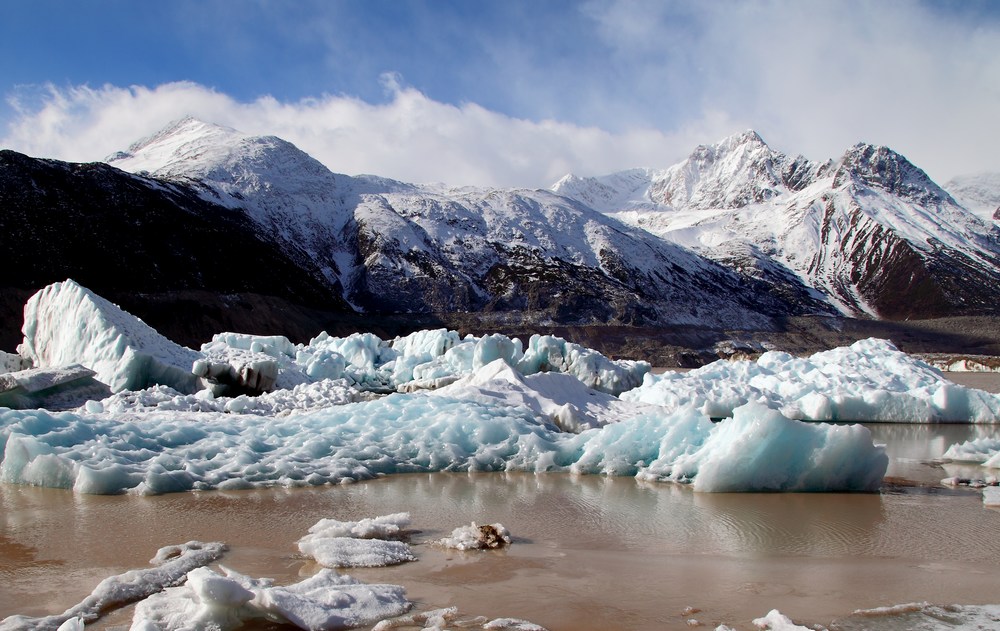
[59, 387]
[869, 381]
[65, 323]
[494, 404]
[161, 451]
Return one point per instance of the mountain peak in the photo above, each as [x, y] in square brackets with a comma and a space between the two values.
[878, 166]
[743, 138]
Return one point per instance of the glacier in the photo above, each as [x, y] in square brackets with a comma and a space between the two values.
[359, 407]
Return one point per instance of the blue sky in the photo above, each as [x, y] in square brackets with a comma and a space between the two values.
[508, 92]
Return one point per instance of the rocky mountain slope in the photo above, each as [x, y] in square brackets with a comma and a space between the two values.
[530, 256]
[868, 234]
[200, 228]
[184, 263]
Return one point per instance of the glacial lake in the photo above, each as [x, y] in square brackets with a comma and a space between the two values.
[589, 552]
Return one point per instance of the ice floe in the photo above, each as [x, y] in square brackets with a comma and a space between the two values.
[365, 543]
[476, 537]
[172, 566]
[870, 380]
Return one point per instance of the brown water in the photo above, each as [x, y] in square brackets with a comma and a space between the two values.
[589, 553]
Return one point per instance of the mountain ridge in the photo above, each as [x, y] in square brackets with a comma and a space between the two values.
[395, 246]
[736, 237]
[870, 230]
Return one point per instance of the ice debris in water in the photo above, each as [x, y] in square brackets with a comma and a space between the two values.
[984, 451]
[172, 566]
[66, 323]
[476, 537]
[776, 621]
[364, 543]
[325, 600]
[448, 618]
[868, 381]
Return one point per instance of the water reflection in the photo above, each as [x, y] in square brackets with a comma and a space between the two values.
[590, 552]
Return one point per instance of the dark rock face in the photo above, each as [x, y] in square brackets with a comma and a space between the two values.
[191, 267]
[123, 236]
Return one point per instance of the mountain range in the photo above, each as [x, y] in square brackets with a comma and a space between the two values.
[201, 226]
[869, 232]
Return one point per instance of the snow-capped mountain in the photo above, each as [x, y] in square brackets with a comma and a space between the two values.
[870, 232]
[399, 247]
[185, 264]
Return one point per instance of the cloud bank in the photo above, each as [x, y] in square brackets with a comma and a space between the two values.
[519, 94]
[410, 137]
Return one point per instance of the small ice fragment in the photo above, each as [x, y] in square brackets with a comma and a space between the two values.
[475, 537]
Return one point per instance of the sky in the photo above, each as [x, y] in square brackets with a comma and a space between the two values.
[513, 93]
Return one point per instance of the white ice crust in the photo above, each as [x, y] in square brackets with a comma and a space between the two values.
[172, 565]
[868, 381]
[325, 600]
[365, 543]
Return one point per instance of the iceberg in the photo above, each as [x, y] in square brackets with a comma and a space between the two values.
[869, 381]
[66, 323]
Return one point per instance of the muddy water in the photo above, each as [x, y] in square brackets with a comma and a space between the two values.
[590, 553]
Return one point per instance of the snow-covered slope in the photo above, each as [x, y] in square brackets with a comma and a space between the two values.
[868, 233]
[292, 197]
[979, 193]
[410, 248]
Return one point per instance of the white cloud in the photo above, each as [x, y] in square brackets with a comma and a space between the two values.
[410, 137]
[817, 77]
[648, 81]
